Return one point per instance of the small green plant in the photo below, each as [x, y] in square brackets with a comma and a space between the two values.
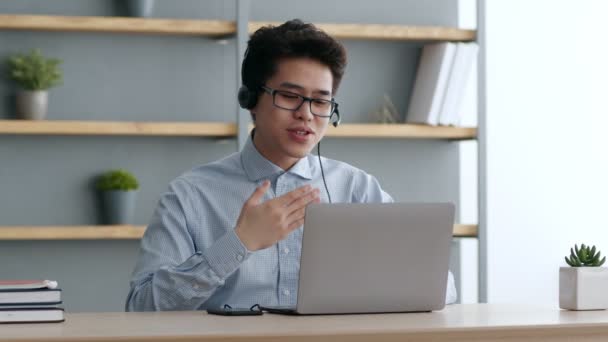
[117, 180]
[585, 256]
[34, 71]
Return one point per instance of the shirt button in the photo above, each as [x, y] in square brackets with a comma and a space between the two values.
[239, 257]
[196, 287]
[286, 250]
[286, 292]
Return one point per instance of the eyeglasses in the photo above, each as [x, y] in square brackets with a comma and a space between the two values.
[292, 101]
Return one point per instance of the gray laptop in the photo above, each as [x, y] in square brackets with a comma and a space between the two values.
[365, 258]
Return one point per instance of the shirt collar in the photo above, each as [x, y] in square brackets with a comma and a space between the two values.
[258, 167]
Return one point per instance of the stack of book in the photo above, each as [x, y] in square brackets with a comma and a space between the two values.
[442, 76]
[23, 301]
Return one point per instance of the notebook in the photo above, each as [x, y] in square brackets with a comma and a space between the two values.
[30, 296]
[31, 314]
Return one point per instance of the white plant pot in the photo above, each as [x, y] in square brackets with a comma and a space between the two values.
[583, 288]
[32, 104]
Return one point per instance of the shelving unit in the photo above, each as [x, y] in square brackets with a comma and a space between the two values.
[221, 28]
[119, 232]
[234, 29]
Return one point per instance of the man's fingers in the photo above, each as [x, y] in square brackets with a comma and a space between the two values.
[295, 224]
[293, 195]
[303, 201]
[296, 215]
[258, 193]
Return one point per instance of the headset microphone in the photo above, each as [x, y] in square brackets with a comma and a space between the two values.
[335, 123]
[337, 113]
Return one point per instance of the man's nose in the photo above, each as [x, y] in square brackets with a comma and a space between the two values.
[303, 112]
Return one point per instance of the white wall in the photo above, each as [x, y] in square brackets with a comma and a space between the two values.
[547, 68]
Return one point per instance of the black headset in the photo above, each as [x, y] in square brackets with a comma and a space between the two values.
[249, 98]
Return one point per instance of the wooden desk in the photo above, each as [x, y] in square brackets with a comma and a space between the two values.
[474, 322]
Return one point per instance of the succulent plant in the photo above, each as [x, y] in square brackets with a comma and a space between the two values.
[585, 257]
[117, 180]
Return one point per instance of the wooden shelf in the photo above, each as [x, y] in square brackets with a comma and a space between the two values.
[465, 230]
[386, 32]
[61, 127]
[211, 28]
[219, 129]
[221, 28]
[401, 131]
[120, 232]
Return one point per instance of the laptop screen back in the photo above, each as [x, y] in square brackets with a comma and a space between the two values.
[385, 257]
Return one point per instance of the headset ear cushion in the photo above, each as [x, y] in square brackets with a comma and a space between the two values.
[247, 98]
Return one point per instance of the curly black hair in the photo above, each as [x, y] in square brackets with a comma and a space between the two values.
[292, 39]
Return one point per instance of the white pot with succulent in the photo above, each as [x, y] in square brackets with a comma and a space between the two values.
[35, 74]
[583, 285]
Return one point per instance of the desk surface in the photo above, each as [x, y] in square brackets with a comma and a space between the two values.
[487, 322]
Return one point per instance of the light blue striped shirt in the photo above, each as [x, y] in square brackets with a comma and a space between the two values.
[191, 258]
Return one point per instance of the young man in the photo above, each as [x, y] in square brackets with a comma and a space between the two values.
[230, 232]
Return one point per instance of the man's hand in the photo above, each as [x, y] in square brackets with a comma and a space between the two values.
[262, 225]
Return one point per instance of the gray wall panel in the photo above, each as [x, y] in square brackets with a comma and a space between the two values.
[49, 180]
[184, 9]
[376, 69]
[92, 274]
[408, 170]
[131, 77]
[407, 12]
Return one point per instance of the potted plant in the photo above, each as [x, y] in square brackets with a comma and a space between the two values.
[584, 284]
[35, 74]
[117, 190]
